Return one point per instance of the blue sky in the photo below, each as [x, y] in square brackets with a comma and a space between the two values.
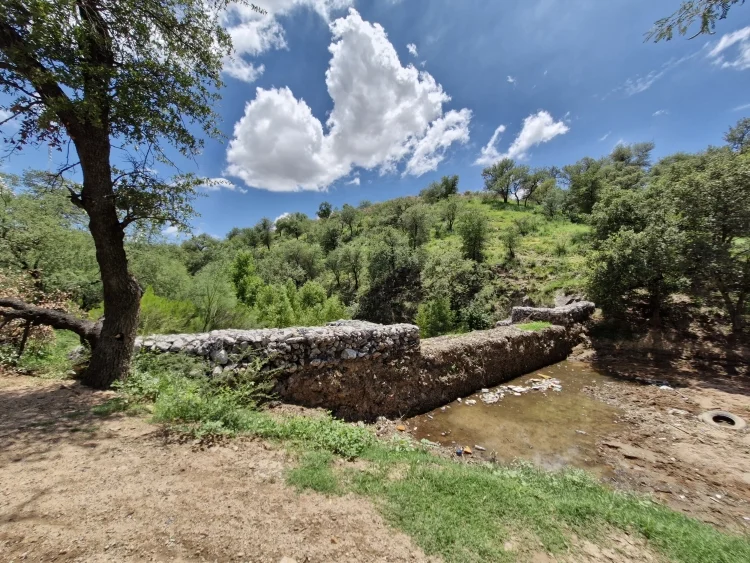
[346, 100]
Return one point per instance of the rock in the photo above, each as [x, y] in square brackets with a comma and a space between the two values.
[527, 301]
[348, 354]
[78, 354]
[220, 357]
[401, 428]
[506, 322]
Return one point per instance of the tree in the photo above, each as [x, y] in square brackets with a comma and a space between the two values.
[445, 188]
[518, 178]
[473, 228]
[449, 212]
[264, 229]
[705, 12]
[713, 203]
[244, 278]
[738, 137]
[416, 224]
[143, 74]
[353, 262]
[584, 183]
[531, 182]
[324, 210]
[394, 288]
[199, 251]
[349, 216]
[294, 224]
[498, 178]
[510, 238]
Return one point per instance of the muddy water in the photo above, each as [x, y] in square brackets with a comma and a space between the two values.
[552, 428]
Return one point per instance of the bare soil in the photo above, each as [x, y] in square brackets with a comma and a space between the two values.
[662, 448]
[74, 487]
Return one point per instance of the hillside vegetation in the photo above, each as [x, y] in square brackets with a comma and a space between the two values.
[629, 233]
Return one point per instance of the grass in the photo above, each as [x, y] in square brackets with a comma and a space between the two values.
[533, 326]
[48, 360]
[458, 511]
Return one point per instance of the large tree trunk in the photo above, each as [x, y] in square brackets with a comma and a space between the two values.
[110, 359]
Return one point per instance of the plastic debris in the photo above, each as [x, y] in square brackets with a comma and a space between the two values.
[490, 398]
[467, 450]
[665, 387]
[479, 448]
[580, 432]
[401, 428]
[459, 451]
[470, 402]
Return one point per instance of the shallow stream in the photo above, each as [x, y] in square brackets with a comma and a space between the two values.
[552, 428]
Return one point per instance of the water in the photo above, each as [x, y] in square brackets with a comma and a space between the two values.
[552, 428]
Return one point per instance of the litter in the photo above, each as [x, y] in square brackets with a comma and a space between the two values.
[471, 402]
[480, 448]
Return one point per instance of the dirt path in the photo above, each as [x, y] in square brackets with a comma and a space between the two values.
[78, 488]
[665, 450]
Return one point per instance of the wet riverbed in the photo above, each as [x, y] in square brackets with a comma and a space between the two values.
[552, 428]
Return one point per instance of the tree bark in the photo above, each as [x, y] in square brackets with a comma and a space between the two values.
[110, 359]
[11, 308]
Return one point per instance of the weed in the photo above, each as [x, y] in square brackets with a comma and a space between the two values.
[314, 472]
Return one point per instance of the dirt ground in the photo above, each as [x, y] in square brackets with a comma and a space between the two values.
[74, 487]
[665, 450]
[78, 488]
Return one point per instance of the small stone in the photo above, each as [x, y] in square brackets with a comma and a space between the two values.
[348, 354]
[401, 428]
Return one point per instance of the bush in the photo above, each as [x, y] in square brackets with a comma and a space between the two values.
[473, 228]
[164, 316]
[435, 317]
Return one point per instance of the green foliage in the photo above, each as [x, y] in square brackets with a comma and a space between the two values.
[293, 225]
[499, 177]
[449, 212]
[435, 317]
[291, 259]
[349, 216]
[511, 238]
[444, 189]
[324, 210]
[244, 278]
[47, 359]
[415, 222]
[160, 315]
[473, 228]
[394, 289]
[703, 12]
[264, 231]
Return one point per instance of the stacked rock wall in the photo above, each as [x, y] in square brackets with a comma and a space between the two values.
[290, 349]
[362, 370]
[566, 315]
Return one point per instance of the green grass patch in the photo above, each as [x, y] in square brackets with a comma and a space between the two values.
[48, 360]
[533, 326]
[314, 472]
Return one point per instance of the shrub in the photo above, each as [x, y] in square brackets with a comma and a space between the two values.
[435, 317]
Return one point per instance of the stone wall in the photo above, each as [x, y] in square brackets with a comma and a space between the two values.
[291, 349]
[360, 371]
[566, 315]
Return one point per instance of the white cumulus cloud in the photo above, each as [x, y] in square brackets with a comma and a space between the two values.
[659, 112]
[383, 113]
[537, 128]
[254, 33]
[511, 79]
[412, 48]
[741, 57]
[354, 181]
[604, 137]
[171, 231]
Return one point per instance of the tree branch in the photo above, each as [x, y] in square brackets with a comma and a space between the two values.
[11, 308]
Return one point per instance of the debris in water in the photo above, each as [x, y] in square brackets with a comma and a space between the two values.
[479, 448]
[459, 399]
[442, 409]
[471, 402]
[485, 390]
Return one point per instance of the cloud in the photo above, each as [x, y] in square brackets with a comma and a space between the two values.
[255, 33]
[216, 184]
[172, 231]
[537, 128]
[412, 48]
[604, 137]
[7, 121]
[511, 80]
[489, 152]
[383, 114]
[354, 181]
[741, 59]
[742, 107]
[638, 84]
[282, 216]
[659, 112]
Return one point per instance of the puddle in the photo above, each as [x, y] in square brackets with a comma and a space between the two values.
[550, 428]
